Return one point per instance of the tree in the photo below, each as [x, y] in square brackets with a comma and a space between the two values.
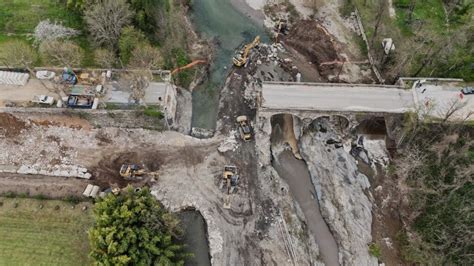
[146, 56]
[106, 19]
[132, 228]
[48, 31]
[105, 58]
[140, 80]
[378, 18]
[130, 39]
[61, 53]
[17, 54]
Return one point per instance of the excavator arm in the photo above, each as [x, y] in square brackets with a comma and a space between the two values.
[193, 63]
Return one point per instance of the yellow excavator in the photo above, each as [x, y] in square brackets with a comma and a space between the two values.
[242, 58]
[134, 171]
[229, 182]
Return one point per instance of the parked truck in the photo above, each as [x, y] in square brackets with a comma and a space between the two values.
[80, 101]
[43, 99]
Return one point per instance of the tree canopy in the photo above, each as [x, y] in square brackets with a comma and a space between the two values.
[132, 228]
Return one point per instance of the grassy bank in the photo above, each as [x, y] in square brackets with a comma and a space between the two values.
[431, 38]
[19, 18]
[54, 234]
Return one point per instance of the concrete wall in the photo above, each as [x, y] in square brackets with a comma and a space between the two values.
[171, 102]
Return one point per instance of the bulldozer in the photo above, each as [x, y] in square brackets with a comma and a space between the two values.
[244, 128]
[230, 179]
[242, 58]
[134, 171]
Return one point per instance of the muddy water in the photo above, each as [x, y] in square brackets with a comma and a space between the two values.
[195, 238]
[295, 172]
[219, 21]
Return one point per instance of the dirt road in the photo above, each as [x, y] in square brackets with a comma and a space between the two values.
[50, 186]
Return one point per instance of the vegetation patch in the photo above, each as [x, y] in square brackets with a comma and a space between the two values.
[375, 250]
[438, 165]
[431, 37]
[43, 232]
[153, 111]
[132, 228]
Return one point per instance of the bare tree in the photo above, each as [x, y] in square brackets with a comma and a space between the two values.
[140, 80]
[61, 53]
[47, 31]
[105, 58]
[146, 56]
[378, 19]
[17, 54]
[106, 19]
[451, 108]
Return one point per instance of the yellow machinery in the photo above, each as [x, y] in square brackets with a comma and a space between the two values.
[242, 58]
[230, 182]
[244, 128]
[134, 171]
[195, 62]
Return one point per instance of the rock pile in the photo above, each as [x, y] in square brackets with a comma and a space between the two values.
[55, 170]
[229, 144]
[341, 191]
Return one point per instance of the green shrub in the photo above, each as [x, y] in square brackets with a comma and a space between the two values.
[132, 228]
[375, 250]
[74, 200]
[153, 112]
[40, 197]
[130, 39]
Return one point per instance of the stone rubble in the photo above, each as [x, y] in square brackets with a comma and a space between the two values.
[341, 191]
[55, 170]
[230, 143]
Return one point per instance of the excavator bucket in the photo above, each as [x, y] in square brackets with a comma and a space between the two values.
[226, 202]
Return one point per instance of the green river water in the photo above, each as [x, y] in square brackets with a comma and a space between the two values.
[218, 20]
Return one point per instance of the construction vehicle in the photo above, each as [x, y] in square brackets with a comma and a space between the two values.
[281, 27]
[80, 101]
[43, 99]
[244, 128]
[193, 63]
[242, 58]
[229, 181]
[134, 171]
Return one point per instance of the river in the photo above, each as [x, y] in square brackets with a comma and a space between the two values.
[195, 238]
[218, 20]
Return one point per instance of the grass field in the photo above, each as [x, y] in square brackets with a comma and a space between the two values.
[18, 19]
[30, 235]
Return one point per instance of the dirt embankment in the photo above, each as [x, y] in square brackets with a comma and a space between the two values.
[11, 126]
[313, 41]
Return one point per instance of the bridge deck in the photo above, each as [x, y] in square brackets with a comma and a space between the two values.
[336, 97]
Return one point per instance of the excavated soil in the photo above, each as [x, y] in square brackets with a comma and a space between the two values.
[312, 40]
[106, 173]
[10, 126]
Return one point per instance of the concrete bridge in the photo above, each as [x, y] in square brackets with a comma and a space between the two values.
[347, 103]
[311, 100]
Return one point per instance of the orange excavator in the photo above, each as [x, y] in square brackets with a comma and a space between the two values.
[193, 63]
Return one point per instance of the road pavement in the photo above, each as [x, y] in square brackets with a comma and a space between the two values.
[437, 100]
[337, 97]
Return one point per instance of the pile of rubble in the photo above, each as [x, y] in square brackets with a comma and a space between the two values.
[230, 143]
[55, 170]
